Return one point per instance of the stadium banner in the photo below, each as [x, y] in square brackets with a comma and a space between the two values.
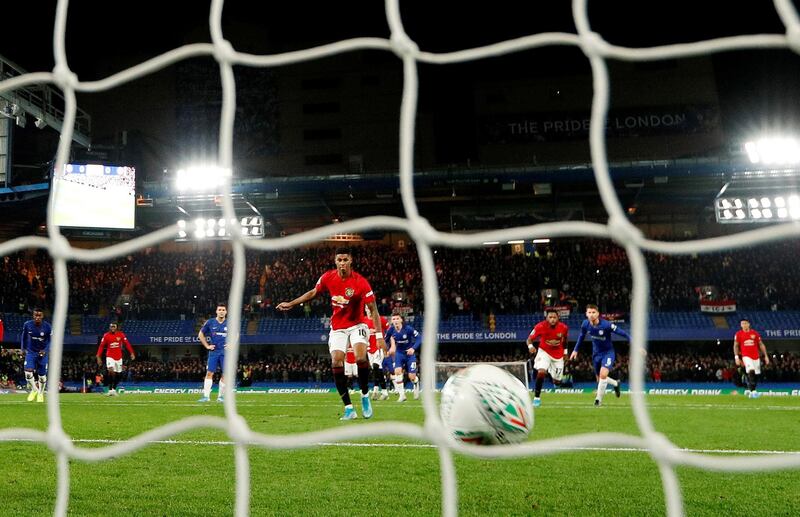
[674, 389]
[718, 305]
[134, 390]
[500, 335]
[563, 310]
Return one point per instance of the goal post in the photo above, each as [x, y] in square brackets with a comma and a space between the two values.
[518, 369]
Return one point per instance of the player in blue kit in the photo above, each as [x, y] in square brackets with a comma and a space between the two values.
[405, 342]
[213, 336]
[35, 342]
[603, 355]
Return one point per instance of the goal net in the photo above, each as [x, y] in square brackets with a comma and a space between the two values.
[518, 369]
[598, 50]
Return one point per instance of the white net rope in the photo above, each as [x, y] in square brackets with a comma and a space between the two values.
[666, 455]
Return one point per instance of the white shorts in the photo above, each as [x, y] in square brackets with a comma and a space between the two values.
[350, 369]
[544, 361]
[376, 358]
[751, 364]
[113, 365]
[338, 339]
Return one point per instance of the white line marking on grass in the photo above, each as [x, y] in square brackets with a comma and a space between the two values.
[422, 446]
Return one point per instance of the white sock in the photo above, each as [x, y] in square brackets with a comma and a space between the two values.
[612, 382]
[416, 385]
[31, 381]
[221, 389]
[42, 383]
[601, 389]
[398, 386]
[207, 387]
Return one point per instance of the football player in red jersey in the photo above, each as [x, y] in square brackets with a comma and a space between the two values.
[549, 358]
[113, 341]
[349, 292]
[746, 347]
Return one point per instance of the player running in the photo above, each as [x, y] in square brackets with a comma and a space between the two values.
[549, 358]
[603, 355]
[405, 342]
[349, 292]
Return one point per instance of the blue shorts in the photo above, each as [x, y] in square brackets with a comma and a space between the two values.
[604, 360]
[388, 364]
[36, 363]
[406, 362]
[215, 360]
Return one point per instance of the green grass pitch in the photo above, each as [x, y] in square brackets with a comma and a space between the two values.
[390, 475]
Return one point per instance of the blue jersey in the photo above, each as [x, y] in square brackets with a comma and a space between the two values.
[405, 338]
[36, 338]
[216, 333]
[600, 336]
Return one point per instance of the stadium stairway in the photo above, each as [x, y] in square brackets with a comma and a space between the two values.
[75, 324]
[252, 327]
[720, 322]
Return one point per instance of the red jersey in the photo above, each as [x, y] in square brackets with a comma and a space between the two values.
[348, 296]
[373, 341]
[1, 331]
[114, 343]
[350, 355]
[749, 343]
[552, 339]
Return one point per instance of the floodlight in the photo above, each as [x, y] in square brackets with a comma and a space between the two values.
[181, 224]
[199, 233]
[767, 213]
[765, 202]
[40, 123]
[780, 202]
[783, 213]
[181, 234]
[773, 151]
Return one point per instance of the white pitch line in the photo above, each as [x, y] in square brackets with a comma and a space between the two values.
[419, 446]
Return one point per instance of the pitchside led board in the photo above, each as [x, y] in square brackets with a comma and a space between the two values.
[94, 196]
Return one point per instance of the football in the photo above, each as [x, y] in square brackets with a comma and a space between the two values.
[486, 405]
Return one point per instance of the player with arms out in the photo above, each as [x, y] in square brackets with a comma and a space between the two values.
[113, 341]
[549, 358]
[349, 292]
[747, 344]
[212, 336]
[35, 342]
[376, 355]
[405, 342]
[603, 355]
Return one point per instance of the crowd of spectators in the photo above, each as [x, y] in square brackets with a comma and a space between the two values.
[158, 284]
[315, 368]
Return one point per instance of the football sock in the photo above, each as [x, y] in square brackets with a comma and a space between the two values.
[539, 383]
[221, 389]
[363, 376]
[31, 381]
[341, 384]
[612, 382]
[207, 387]
[42, 383]
[399, 385]
[380, 380]
[751, 380]
[601, 389]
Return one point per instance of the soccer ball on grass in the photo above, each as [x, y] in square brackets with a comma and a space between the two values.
[486, 405]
